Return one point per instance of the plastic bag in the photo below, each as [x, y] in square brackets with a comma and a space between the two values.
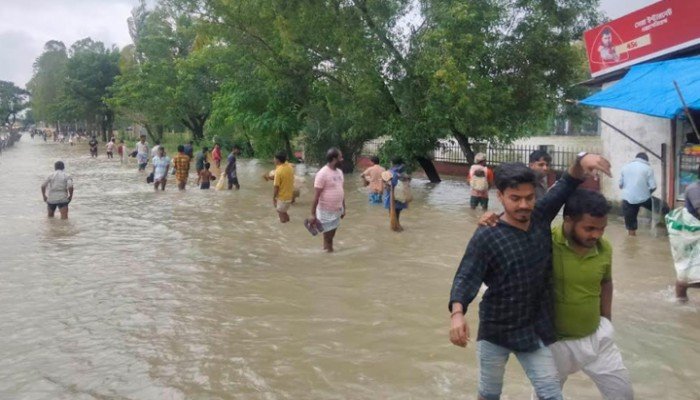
[684, 236]
[402, 192]
[221, 184]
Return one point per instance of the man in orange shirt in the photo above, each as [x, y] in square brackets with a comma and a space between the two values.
[373, 177]
[181, 162]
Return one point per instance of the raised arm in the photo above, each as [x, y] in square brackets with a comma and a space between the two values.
[557, 195]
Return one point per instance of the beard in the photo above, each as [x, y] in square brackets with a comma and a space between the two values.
[589, 244]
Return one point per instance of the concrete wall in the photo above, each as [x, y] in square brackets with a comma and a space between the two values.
[650, 131]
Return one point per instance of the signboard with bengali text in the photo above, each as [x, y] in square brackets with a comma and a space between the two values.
[655, 30]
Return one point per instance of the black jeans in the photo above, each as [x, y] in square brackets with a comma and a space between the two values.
[630, 211]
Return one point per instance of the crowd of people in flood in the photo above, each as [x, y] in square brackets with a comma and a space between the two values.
[549, 289]
[391, 188]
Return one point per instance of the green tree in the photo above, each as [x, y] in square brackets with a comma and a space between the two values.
[92, 69]
[47, 85]
[13, 100]
[169, 74]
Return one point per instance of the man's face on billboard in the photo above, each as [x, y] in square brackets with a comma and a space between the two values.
[607, 39]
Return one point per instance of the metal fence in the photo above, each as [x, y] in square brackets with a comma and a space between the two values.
[496, 154]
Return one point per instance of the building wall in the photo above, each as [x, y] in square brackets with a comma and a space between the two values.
[650, 131]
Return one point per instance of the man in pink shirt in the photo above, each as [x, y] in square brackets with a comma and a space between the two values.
[329, 202]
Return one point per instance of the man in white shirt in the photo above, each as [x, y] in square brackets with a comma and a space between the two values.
[57, 191]
[142, 153]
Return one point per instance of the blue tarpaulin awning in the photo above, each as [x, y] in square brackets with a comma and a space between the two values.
[648, 89]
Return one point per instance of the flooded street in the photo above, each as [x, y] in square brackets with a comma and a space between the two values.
[205, 295]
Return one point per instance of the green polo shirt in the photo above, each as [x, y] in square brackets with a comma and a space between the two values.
[577, 286]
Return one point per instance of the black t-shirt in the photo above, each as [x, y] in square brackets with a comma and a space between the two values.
[93, 143]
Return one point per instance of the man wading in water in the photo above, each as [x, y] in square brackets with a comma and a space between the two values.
[60, 191]
[328, 207]
[514, 259]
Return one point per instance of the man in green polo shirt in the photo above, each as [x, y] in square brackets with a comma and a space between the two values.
[583, 291]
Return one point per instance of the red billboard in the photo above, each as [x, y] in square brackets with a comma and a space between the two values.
[650, 32]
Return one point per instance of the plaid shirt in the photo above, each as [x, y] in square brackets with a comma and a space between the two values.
[181, 162]
[516, 265]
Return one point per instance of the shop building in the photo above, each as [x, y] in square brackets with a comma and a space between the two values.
[636, 61]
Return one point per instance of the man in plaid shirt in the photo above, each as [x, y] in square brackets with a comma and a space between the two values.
[182, 167]
[514, 259]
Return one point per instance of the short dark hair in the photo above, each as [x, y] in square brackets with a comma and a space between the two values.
[643, 156]
[235, 147]
[207, 165]
[180, 148]
[205, 149]
[584, 201]
[537, 155]
[607, 31]
[397, 160]
[158, 142]
[510, 175]
[58, 165]
[281, 156]
[374, 159]
[332, 154]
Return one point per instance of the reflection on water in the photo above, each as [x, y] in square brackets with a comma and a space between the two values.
[204, 295]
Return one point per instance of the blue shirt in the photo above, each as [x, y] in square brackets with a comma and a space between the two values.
[637, 181]
[395, 175]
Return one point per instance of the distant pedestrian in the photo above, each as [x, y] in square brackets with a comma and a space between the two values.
[189, 149]
[216, 156]
[154, 150]
[200, 159]
[121, 150]
[181, 163]
[205, 177]
[540, 162]
[637, 183]
[93, 146]
[397, 192]
[110, 148]
[231, 169]
[161, 166]
[283, 193]
[142, 153]
[328, 207]
[57, 191]
[372, 177]
[480, 179]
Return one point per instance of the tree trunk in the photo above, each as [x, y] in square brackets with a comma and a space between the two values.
[288, 147]
[464, 144]
[159, 133]
[429, 168]
[347, 166]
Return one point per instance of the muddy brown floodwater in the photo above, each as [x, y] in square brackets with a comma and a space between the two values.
[205, 295]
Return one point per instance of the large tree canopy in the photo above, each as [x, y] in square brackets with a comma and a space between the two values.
[277, 73]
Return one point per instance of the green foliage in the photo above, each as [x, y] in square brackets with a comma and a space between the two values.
[271, 74]
[12, 101]
[47, 85]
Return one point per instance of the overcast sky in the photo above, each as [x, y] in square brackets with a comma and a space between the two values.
[27, 24]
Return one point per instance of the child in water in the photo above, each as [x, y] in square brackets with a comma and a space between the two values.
[205, 177]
